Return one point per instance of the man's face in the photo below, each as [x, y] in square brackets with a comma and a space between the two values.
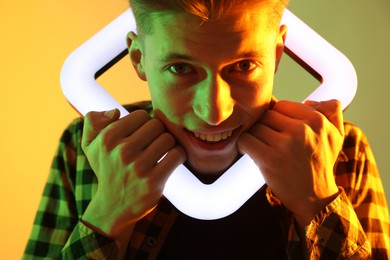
[210, 81]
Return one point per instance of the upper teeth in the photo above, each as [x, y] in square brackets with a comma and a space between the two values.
[214, 137]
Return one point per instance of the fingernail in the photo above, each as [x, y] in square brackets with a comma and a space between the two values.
[110, 113]
[312, 103]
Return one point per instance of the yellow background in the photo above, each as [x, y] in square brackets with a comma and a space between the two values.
[36, 37]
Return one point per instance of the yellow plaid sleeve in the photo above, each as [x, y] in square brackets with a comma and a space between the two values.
[336, 233]
[356, 224]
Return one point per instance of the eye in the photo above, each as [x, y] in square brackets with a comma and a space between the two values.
[181, 68]
[244, 66]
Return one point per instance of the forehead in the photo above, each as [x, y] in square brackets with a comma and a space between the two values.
[234, 21]
[237, 30]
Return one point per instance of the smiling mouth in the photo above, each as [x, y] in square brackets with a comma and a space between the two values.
[214, 138]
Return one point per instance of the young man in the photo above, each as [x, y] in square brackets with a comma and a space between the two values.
[210, 67]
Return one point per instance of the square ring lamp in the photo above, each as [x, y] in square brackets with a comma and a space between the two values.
[230, 191]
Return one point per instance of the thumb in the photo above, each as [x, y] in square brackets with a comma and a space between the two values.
[332, 110]
[95, 122]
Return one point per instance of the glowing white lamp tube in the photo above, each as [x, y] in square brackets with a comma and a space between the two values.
[78, 72]
[244, 178]
[339, 79]
[217, 200]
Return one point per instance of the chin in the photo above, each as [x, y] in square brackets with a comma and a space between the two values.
[211, 165]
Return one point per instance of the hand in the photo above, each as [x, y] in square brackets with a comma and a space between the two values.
[296, 146]
[124, 155]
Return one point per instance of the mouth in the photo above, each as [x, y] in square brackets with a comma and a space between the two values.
[213, 138]
[213, 142]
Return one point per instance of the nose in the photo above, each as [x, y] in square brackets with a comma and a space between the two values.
[213, 102]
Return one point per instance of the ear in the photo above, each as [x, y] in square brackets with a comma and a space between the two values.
[281, 38]
[135, 53]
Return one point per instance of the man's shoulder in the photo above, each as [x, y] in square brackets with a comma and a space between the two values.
[353, 135]
[355, 143]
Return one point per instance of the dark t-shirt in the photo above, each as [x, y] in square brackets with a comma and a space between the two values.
[252, 232]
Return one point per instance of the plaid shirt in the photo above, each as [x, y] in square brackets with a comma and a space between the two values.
[354, 225]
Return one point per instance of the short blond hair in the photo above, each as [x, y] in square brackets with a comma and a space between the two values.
[206, 10]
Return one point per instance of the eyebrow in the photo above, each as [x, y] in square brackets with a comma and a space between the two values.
[177, 56]
[250, 54]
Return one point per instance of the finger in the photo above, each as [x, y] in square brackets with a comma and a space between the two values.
[169, 163]
[265, 133]
[163, 144]
[332, 110]
[293, 109]
[278, 121]
[127, 125]
[149, 157]
[95, 122]
[248, 144]
[141, 139]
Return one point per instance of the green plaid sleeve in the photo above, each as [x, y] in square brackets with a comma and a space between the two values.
[57, 231]
[57, 214]
[86, 244]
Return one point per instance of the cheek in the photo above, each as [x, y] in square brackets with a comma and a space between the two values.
[253, 94]
[165, 104]
[172, 103]
[252, 100]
